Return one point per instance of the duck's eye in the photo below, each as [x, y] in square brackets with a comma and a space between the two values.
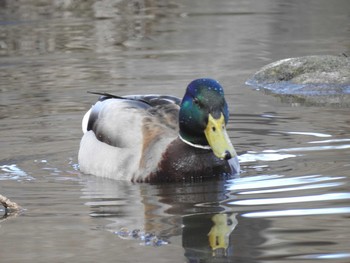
[196, 101]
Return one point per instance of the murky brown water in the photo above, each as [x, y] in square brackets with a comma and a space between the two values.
[292, 202]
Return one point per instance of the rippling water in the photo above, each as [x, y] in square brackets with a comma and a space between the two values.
[290, 204]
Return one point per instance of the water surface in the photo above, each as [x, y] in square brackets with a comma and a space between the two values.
[292, 200]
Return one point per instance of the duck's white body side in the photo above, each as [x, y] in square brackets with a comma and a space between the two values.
[125, 155]
[103, 160]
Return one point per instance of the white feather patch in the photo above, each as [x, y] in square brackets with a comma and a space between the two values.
[85, 121]
[103, 160]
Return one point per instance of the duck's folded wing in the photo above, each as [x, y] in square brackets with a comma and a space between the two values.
[118, 122]
[155, 100]
[150, 99]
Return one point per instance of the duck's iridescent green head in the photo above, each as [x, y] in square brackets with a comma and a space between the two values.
[203, 118]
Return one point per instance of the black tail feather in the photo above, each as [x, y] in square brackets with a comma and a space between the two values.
[106, 96]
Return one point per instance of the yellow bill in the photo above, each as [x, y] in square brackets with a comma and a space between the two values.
[218, 139]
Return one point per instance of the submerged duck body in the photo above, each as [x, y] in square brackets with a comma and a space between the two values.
[153, 138]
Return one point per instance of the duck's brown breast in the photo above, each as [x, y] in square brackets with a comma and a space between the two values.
[184, 163]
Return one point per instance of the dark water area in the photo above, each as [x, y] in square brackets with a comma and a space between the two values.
[292, 200]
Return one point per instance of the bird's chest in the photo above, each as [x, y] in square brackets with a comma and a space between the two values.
[183, 163]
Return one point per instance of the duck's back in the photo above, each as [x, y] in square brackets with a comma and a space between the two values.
[125, 137]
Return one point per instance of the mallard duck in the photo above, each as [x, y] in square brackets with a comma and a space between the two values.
[154, 138]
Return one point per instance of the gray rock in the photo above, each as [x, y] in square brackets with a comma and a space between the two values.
[316, 80]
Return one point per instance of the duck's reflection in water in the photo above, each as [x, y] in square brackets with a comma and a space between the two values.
[193, 212]
[220, 232]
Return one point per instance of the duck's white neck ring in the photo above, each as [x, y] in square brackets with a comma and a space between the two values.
[206, 147]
